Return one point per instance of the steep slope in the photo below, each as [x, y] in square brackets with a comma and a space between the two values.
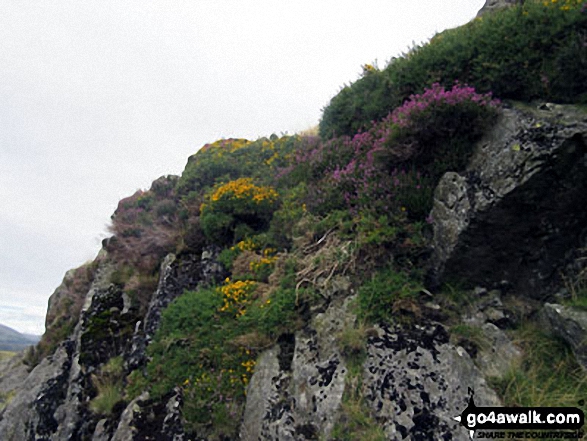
[357, 287]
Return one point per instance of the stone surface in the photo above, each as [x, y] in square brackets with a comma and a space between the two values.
[499, 354]
[297, 386]
[494, 5]
[30, 414]
[518, 207]
[416, 382]
[146, 419]
[177, 275]
[569, 324]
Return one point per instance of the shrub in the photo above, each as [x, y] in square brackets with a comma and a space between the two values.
[192, 349]
[146, 226]
[395, 163]
[534, 51]
[237, 209]
[274, 315]
[230, 159]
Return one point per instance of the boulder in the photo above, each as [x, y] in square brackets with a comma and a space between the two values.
[570, 324]
[518, 208]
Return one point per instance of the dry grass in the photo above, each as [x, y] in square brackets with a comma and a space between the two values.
[320, 260]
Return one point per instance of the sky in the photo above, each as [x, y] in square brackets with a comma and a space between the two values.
[98, 99]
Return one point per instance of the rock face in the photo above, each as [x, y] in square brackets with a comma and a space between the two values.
[516, 206]
[298, 385]
[417, 382]
[414, 381]
[494, 5]
[30, 415]
[177, 275]
[570, 325]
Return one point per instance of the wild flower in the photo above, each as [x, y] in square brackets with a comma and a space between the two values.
[409, 113]
[235, 295]
[243, 188]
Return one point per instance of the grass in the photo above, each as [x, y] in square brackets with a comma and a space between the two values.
[355, 421]
[473, 334]
[6, 355]
[108, 384]
[5, 398]
[386, 293]
[109, 394]
[547, 376]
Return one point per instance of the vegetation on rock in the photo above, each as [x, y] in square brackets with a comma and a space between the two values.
[292, 214]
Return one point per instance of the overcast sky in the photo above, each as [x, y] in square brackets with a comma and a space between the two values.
[98, 99]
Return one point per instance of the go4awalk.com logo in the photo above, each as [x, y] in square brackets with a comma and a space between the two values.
[522, 422]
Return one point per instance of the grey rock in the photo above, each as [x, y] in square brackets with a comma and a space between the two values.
[145, 419]
[499, 355]
[416, 382]
[517, 210]
[30, 414]
[212, 270]
[13, 372]
[494, 5]
[126, 429]
[295, 393]
[177, 275]
[101, 431]
[569, 324]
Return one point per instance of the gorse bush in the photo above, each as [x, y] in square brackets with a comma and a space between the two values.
[534, 51]
[192, 349]
[237, 209]
[229, 159]
[204, 345]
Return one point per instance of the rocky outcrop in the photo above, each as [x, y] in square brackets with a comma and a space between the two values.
[178, 274]
[30, 415]
[145, 419]
[516, 206]
[53, 400]
[297, 386]
[509, 221]
[417, 382]
[494, 5]
[414, 381]
[569, 324]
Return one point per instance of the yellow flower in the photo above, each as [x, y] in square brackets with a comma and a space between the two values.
[243, 188]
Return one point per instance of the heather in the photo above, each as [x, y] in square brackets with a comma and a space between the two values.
[284, 216]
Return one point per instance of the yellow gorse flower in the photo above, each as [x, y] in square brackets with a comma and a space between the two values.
[236, 294]
[226, 145]
[243, 188]
[245, 245]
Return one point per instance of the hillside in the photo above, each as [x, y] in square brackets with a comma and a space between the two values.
[11, 340]
[353, 285]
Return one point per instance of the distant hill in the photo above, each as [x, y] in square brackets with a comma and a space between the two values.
[11, 340]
